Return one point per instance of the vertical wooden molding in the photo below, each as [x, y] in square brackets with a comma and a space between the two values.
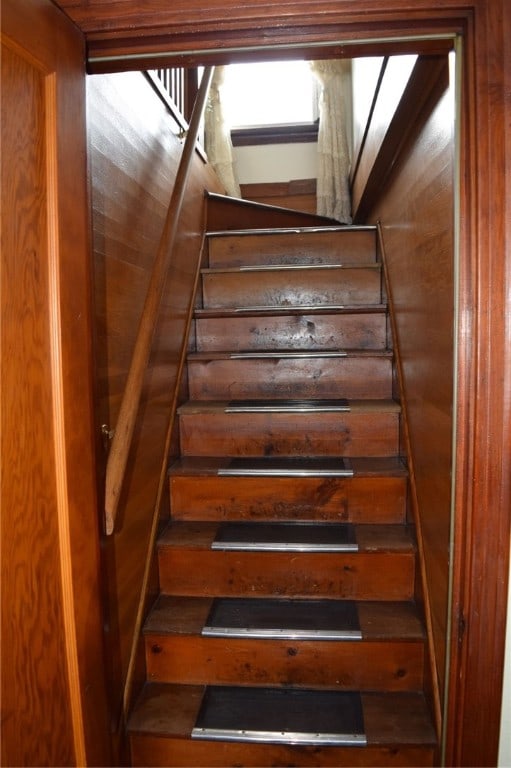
[59, 426]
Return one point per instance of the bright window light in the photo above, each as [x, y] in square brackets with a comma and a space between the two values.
[269, 93]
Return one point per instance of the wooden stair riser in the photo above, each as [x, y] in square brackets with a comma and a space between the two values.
[339, 247]
[328, 331]
[287, 377]
[295, 287]
[357, 665]
[232, 213]
[354, 576]
[397, 728]
[334, 499]
[281, 434]
[161, 751]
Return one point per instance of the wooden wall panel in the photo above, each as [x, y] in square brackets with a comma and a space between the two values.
[134, 155]
[299, 194]
[390, 86]
[367, 72]
[417, 217]
[31, 548]
[53, 693]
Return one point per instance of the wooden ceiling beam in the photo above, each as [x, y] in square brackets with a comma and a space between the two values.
[129, 34]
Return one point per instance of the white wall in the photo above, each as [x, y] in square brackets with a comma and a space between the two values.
[276, 162]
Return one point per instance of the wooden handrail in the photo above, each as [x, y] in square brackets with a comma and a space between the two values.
[121, 442]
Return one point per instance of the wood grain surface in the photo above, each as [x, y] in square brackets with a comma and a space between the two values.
[418, 227]
[133, 160]
[53, 693]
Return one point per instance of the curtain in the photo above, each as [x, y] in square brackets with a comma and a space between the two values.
[218, 136]
[333, 193]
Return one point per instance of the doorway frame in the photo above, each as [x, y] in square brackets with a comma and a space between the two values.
[482, 492]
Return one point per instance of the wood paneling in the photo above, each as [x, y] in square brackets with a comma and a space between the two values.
[389, 88]
[134, 156]
[416, 211]
[53, 693]
[299, 194]
[483, 501]
[367, 71]
[406, 86]
[226, 213]
[126, 27]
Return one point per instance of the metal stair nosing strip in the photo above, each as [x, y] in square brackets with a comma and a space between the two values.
[298, 354]
[291, 230]
[287, 467]
[281, 737]
[248, 715]
[287, 406]
[294, 267]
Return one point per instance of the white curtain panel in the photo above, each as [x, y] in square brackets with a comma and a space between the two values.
[218, 136]
[333, 192]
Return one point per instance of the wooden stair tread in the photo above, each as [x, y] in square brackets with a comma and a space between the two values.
[369, 538]
[283, 353]
[290, 268]
[344, 309]
[291, 230]
[378, 621]
[390, 718]
[209, 465]
[353, 406]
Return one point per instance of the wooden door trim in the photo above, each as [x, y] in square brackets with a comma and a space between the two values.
[43, 37]
[482, 488]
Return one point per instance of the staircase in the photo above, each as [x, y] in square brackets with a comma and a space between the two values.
[286, 631]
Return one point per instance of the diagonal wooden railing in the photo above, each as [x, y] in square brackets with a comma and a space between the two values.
[121, 442]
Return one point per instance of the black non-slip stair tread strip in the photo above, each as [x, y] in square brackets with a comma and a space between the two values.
[283, 614]
[280, 709]
[286, 533]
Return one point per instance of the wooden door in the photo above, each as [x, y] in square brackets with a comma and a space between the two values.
[53, 695]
